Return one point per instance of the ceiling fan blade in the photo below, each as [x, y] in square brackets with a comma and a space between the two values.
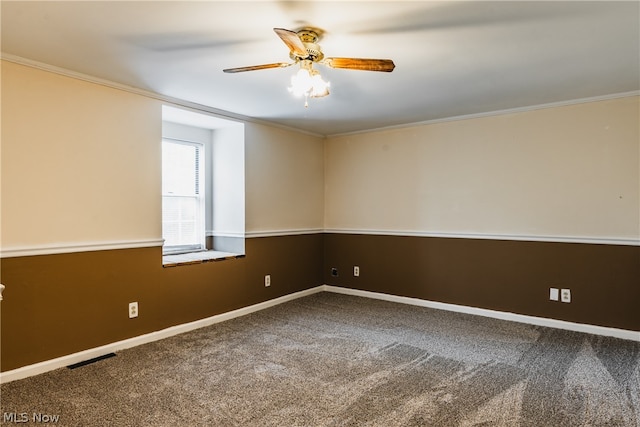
[257, 67]
[366, 64]
[293, 42]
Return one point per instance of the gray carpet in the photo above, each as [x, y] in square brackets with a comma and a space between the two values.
[336, 360]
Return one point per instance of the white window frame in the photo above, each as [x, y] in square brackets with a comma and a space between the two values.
[200, 244]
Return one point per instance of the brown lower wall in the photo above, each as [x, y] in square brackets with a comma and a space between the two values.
[55, 305]
[510, 276]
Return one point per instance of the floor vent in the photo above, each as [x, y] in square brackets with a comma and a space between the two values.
[90, 361]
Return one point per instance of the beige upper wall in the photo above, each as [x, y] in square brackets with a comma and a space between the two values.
[81, 165]
[569, 171]
[284, 179]
[80, 162]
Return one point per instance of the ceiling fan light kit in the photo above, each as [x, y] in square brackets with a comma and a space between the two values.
[308, 82]
[304, 50]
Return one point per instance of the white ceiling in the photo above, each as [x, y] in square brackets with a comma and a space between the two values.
[452, 58]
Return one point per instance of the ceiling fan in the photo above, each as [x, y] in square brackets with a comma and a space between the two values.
[304, 50]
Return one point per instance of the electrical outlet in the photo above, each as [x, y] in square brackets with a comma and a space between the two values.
[565, 295]
[356, 270]
[554, 294]
[334, 272]
[267, 280]
[133, 310]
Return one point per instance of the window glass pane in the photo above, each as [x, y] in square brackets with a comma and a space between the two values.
[180, 169]
[182, 204]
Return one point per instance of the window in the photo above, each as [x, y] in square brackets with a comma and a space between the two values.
[183, 220]
[202, 187]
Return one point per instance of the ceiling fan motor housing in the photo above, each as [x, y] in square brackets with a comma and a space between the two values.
[314, 50]
[309, 37]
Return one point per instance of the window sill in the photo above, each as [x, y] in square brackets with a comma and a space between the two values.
[197, 258]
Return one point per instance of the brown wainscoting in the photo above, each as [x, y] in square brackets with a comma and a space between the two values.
[56, 305]
[509, 276]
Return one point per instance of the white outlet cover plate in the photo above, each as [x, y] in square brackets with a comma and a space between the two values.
[554, 294]
[133, 310]
[565, 295]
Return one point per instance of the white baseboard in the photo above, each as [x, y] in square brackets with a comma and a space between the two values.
[60, 362]
[513, 317]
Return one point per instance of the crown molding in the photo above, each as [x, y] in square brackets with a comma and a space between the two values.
[496, 113]
[200, 108]
[192, 106]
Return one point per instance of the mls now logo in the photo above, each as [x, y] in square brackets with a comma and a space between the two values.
[15, 417]
[23, 417]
